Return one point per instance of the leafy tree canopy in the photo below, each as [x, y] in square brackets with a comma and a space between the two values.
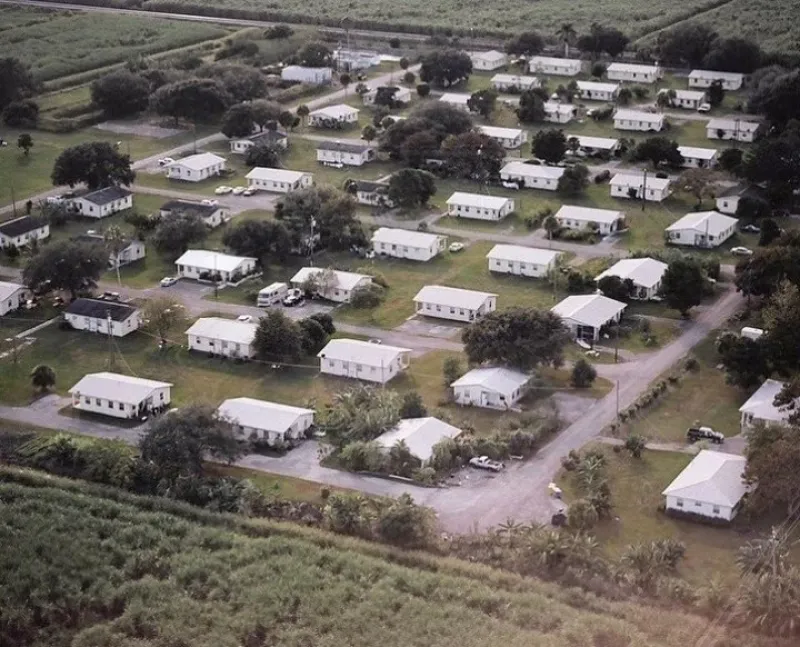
[96, 164]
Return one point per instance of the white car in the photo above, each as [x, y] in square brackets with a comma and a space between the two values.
[165, 161]
[239, 190]
[168, 280]
[223, 190]
[210, 203]
[704, 107]
[486, 463]
[741, 251]
[456, 247]
[245, 318]
[248, 192]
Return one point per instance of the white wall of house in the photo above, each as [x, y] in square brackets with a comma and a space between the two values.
[740, 134]
[478, 396]
[40, 233]
[178, 171]
[373, 198]
[557, 67]
[14, 301]
[480, 213]
[694, 238]
[728, 204]
[635, 124]
[295, 431]
[729, 83]
[531, 181]
[408, 252]
[343, 157]
[559, 115]
[192, 272]
[697, 162]
[520, 268]
[219, 346]
[641, 74]
[454, 313]
[275, 186]
[578, 225]
[367, 372]
[159, 397]
[91, 210]
[324, 120]
[700, 507]
[582, 331]
[133, 252]
[652, 195]
[100, 324]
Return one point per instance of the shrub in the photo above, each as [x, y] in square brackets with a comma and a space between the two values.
[602, 176]
[368, 296]
[582, 515]
[362, 456]
[412, 406]
[583, 374]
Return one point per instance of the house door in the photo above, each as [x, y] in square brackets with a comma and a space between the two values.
[586, 333]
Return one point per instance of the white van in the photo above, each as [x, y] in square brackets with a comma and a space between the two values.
[272, 294]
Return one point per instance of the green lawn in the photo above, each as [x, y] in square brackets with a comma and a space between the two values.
[662, 332]
[510, 225]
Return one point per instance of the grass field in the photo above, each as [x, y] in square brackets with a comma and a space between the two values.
[154, 572]
[57, 44]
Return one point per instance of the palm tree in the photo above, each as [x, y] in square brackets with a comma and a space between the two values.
[43, 377]
[115, 241]
[567, 34]
[665, 98]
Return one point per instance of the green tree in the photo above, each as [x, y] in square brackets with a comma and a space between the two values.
[444, 68]
[115, 241]
[43, 377]
[550, 145]
[616, 288]
[264, 154]
[730, 160]
[196, 100]
[21, 114]
[121, 93]
[406, 524]
[635, 445]
[658, 150]
[531, 106]
[68, 265]
[772, 453]
[745, 360]
[315, 54]
[583, 374]
[566, 34]
[172, 236]
[573, 181]
[770, 231]
[483, 102]
[527, 43]
[682, 285]
[25, 142]
[238, 121]
[96, 164]
[412, 406]
[16, 81]
[782, 325]
[733, 55]
[314, 337]
[324, 320]
[411, 188]
[409, 78]
[258, 239]
[624, 96]
[369, 133]
[423, 90]
[685, 45]
[452, 369]
[278, 338]
[715, 94]
[162, 315]
[473, 156]
[347, 514]
[359, 414]
[700, 183]
[523, 338]
[265, 112]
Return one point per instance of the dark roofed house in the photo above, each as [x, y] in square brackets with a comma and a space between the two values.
[344, 153]
[373, 193]
[94, 314]
[103, 202]
[275, 137]
[212, 214]
[728, 200]
[22, 231]
[134, 249]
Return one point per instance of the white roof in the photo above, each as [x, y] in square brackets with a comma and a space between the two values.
[500, 133]
[478, 200]
[645, 272]
[275, 174]
[491, 55]
[419, 435]
[711, 74]
[344, 280]
[628, 180]
[212, 261]
[277, 285]
[588, 214]
[521, 254]
[555, 106]
[711, 477]
[260, 414]
[404, 237]
[237, 332]
[361, 352]
[692, 152]
[515, 79]
[692, 95]
[7, 289]
[452, 297]
[605, 143]
[335, 111]
[760, 404]
[120, 388]
[732, 124]
[498, 379]
[552, 60]
[639, 115]
[631, 67]
[595, 86]
[593, 310]
[532, 170]
[711, 222]
[199, 161]
[455, 97]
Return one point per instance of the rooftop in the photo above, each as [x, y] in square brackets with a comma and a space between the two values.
[631, 67]
[117, 387]
[597, 86]
[7, 289]
[455, 97]
[630, 180]
[99, 309]
[260, 414]
[712, 223]
[344, 280]
[522, 254]
[341, 146]
[404, 237]
[605, 143]
[593, 310]
[452, 297]
[516, 79]
[761, 404]
[712, 477]
[498, 379]
[478, 200]
[335, 111]
[275, 174]
[712, 74]
[500, 133]
[588, 214]
[419, 435]
[106, 196]
[199, 161]
[19, 226]
[646, 272]
[368, 186]
[638, 115]
[238, 332]
[692, 152]
[491, 55]
[733, 124]
[691, 95]
[361, 352]
[553, 60]
[532, 170]
[212, 261]
[181, 206]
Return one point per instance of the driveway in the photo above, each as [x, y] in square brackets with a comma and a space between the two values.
[236, 203]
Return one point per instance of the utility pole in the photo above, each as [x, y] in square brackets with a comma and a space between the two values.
[110, 341]
[644, 188]
[13, 203]
[617, 404]
[13, 342]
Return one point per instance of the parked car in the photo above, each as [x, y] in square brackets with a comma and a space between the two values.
[704, 107]
[293, 298]
[456, 247]
[168, 280]
[704, 433]
[741, 251]
[510, 185]
[245, 318]
[248, 192]
[750, 229]
[375, 340]
[110, 296]
[164, 161]
[210, 203]
[239, 190]
[223, 190]
[486, 463]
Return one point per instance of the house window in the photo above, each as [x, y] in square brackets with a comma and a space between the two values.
[87, 400]
[97, 401]
[162, 396]
[715, 509]
[679, 503]
[698, 504]
[121, 406]
[110, 404]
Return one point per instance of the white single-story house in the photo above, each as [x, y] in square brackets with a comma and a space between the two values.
[506, 137]
[362, 360]
[134, 250]
[597, 91]
[514, 82]
[95, 315]
[222, 337]
[404, 243]
[401, 94]
[351, 60]
[736, 129]
[701, 229]
[532, 176]
[120, 396]
[278, 180]
[419, 435]
[689, 99]
[344, 153]
[104, 202]
[634, 72]
[491, 60]
[728, 200]
[333, 116]
[273, 137]
[711, 486]
[479, 206]
[340, 287]
[694, 157]
[212, 215]
[308, 75]
[12, 296]
[586, 314]
[22, 231]
[522, 261]
[595, 145]
[607, 220]
[704, 79]
[456, 99]
[196, 168]
[201, 264]
[491, 388]
[559, 113]
[654, 189]
[638, 120]
[253, 419]
[555, 66]
[373, 194]
[760, 407]
[454, 303]
[645, 273]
